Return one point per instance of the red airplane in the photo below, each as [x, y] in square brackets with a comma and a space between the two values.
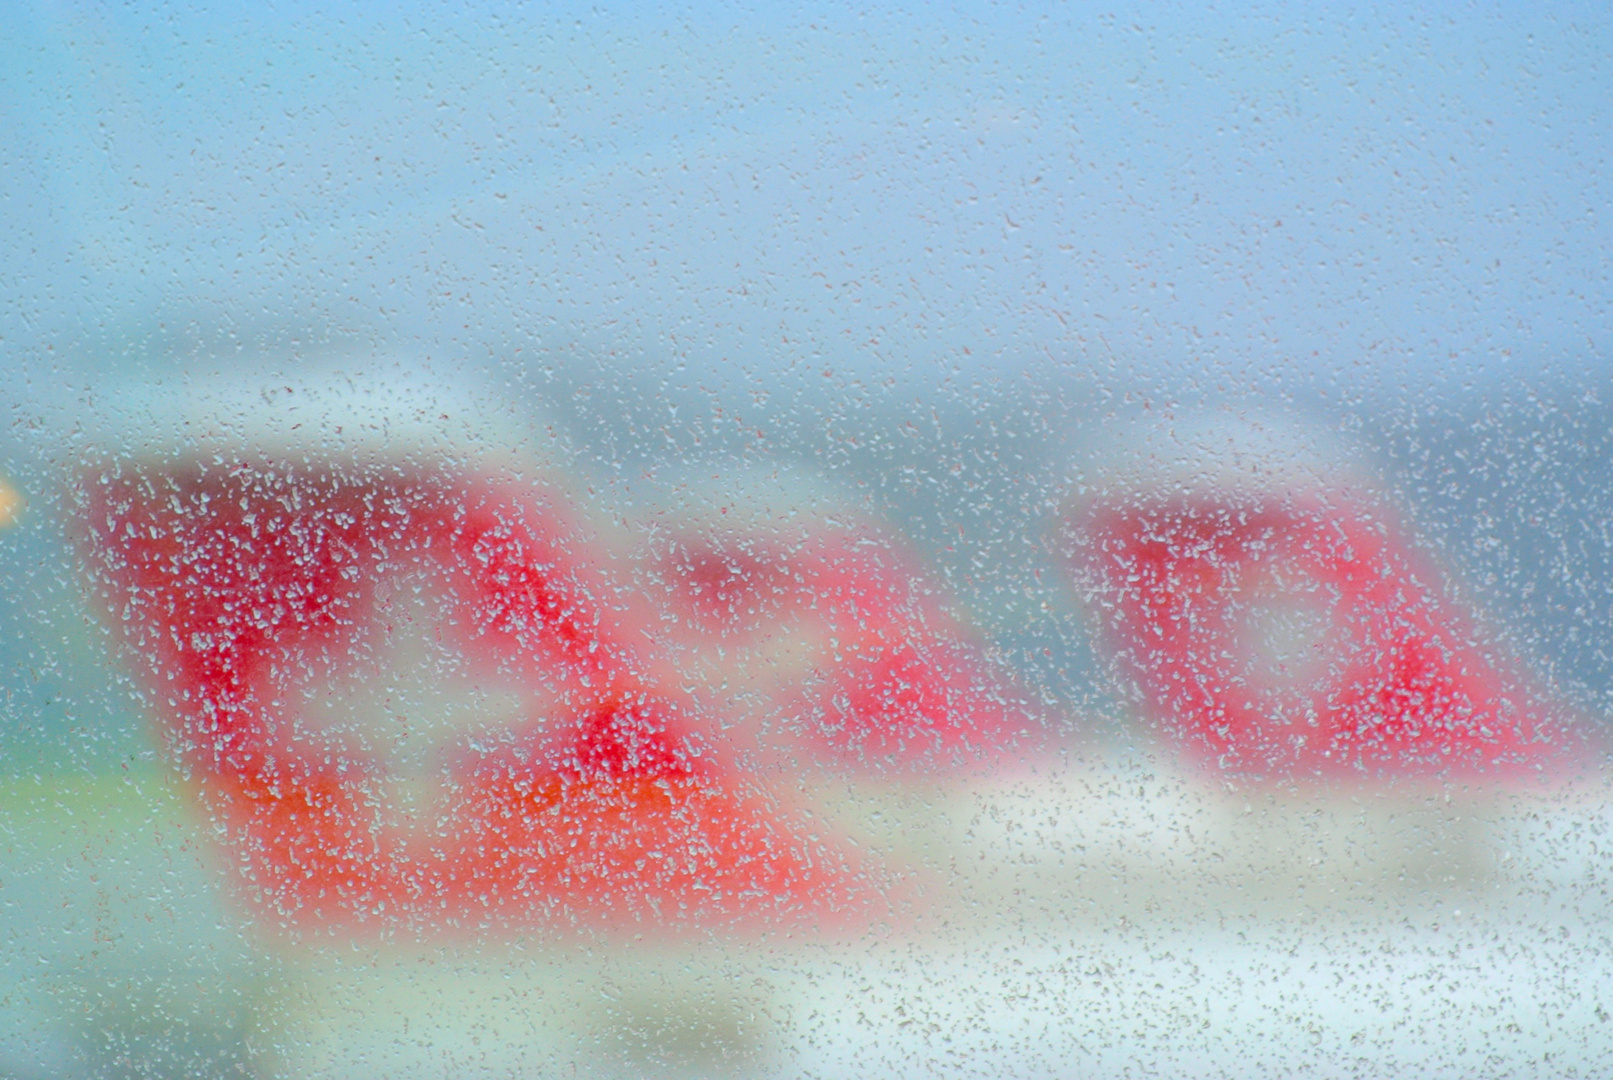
[840, 643]
[296, 623]
[1280, 626]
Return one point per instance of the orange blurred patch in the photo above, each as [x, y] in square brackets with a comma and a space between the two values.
[12, 504]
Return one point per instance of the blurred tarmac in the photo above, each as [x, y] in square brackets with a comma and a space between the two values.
[1099, 918]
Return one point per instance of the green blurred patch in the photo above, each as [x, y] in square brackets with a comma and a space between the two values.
[115, 935]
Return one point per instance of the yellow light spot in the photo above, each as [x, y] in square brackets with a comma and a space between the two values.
[11, 504]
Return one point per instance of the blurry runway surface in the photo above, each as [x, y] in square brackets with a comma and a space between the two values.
[1099, 918]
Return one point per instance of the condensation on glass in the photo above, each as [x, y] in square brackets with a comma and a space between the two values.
[588, 544]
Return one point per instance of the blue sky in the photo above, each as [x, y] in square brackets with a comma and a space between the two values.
[1193, 200]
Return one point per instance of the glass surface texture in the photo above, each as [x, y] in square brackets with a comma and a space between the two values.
[822, 542]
